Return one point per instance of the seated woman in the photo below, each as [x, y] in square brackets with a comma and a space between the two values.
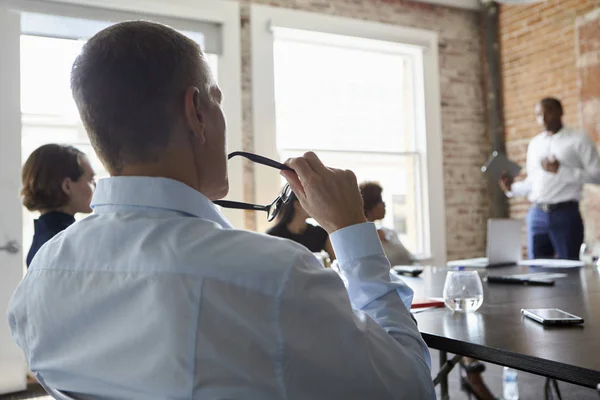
[291, 224]
[375, 211]
[58, 181]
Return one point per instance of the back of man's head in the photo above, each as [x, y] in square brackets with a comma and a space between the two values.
[129, 83]
[552, 102]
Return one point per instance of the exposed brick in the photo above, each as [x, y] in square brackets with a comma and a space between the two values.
[247, 116]
[539, 51]
[588, 57]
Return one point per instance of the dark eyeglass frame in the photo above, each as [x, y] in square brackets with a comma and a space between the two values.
[272, 209]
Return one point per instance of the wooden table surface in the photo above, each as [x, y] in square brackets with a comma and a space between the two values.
[498, 333]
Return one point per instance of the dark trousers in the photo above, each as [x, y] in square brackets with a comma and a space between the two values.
[557, 233]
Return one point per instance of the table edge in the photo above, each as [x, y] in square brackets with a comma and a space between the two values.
[522, 362]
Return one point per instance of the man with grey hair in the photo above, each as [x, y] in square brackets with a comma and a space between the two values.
[156, 296]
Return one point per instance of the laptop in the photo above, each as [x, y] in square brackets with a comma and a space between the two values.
[503, 245]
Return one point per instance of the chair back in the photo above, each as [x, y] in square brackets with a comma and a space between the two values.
[55, 393]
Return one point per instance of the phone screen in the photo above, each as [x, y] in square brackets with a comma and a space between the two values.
[552, 313]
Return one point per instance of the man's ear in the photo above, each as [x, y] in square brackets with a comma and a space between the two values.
[193, 114]
[66, 186]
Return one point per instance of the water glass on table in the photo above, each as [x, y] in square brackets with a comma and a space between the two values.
[463, 291]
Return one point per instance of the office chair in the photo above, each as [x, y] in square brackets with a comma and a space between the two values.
[55, 393]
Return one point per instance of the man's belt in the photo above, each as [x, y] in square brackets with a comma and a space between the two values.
[546, 207]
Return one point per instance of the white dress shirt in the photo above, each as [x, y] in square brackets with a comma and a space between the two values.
[155, 296]
[579, 164]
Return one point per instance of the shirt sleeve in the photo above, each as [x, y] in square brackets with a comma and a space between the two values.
[523, 188]
[17, 315]
[590, 162]
[352, 337]
[520, 189]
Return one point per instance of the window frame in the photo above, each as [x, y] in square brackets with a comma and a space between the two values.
[225, 13]
[429, 133]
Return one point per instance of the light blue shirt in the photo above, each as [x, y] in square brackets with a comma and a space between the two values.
[156, 296]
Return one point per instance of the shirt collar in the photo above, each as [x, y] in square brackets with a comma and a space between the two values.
[563, 131]
[163, 193]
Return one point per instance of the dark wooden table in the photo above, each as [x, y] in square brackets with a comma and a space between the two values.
[498, 333]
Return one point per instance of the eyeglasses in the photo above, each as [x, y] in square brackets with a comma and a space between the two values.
[272, 209]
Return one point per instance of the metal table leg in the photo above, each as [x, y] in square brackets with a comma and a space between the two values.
[444, 377]
[556, 388]
[548, 389]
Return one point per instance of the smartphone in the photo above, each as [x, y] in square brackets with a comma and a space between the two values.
[407, 270]
[507, 279]
[552, 316]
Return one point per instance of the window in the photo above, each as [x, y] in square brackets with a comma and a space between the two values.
[48, 111]
[401, 213]
[365, 96]
[399, 200]
[351, 100]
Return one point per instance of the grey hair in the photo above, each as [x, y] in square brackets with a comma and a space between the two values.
[129, 82]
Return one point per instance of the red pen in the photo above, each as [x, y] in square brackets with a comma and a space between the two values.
[422, 303]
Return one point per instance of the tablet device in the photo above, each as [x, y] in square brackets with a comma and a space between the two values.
[498, 164]
[552, 316]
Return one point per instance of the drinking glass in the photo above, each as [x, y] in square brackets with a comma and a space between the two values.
[463, 291]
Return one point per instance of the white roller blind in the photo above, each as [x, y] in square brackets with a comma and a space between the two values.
[42, 18]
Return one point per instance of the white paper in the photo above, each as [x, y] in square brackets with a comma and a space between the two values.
[540, 275]
[552, 263]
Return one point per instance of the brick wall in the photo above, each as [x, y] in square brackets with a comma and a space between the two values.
[465, 142]
[588, 67]
[540, 55]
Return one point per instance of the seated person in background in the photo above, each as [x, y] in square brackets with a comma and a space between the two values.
[157, 296]
[374, 211]
[291, 224]
[58, 181]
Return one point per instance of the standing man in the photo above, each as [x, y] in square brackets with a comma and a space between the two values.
[560, 160]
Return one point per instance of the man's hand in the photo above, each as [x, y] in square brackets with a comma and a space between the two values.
[550, 164]
[505, 182]
[329, 195]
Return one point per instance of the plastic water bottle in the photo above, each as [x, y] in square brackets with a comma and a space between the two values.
[510, 386]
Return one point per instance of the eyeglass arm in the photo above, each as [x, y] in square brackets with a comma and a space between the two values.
[260, 160]
[240, 206]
